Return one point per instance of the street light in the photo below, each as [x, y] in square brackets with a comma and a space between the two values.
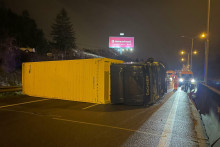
[203, 35]
[122, 34]
[182, 52]
[192, 42]
[182, 59]
[207, 44]
[195, 52]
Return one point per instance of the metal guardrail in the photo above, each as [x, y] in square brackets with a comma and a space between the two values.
[10, 89]
[214, 84]
[207, 101]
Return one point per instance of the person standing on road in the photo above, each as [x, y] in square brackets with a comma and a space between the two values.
[176, 82]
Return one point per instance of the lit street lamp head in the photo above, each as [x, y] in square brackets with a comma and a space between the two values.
[203, 35]
[182, 59]
[195, 52]
[182, 52]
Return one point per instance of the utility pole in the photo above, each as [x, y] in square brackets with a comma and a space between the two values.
[207, 45]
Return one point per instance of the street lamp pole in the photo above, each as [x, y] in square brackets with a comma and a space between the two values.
[191, 53]
[207, 45]
[188, 66]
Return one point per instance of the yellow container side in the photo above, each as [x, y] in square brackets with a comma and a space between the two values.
[84, 80]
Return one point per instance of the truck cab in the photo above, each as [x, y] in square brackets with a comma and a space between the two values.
[186, 80]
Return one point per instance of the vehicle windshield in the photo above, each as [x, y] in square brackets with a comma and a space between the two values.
[187, 76]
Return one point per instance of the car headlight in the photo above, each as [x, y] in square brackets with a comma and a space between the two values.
[181, 79]
[193, 81]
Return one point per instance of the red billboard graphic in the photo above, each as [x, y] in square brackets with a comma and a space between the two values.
[121, 42]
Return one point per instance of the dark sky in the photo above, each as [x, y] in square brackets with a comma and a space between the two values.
[155, 24]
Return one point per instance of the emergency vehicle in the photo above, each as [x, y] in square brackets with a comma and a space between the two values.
[170, 75]
[186, 80]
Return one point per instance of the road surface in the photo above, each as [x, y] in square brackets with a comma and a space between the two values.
[31, 121]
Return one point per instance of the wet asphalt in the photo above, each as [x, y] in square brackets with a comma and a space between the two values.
[31, 121]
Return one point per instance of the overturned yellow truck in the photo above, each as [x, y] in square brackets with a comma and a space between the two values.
[99, 80]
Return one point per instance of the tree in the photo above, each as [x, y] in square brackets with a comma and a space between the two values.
[62, 32]
[10, 55]
[23, 29]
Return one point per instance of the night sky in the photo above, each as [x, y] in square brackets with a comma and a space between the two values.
[155, 24]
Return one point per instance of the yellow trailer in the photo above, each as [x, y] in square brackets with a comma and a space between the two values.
[84, 80]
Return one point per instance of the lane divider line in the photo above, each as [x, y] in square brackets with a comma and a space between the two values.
[90, 106]
[30, 113]
[107, 126]
[22, 103]
[167, 132]
[85, 123]
[57, 117]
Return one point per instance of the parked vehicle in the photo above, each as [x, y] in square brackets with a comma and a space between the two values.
[27, 49]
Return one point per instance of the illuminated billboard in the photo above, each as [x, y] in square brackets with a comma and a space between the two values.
[121, 42]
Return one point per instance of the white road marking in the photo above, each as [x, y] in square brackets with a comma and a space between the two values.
[22, 103]
[90, 106]
[31, 113]
[107, 126]
[167, 132]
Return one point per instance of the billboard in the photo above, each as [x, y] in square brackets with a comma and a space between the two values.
[121, 42]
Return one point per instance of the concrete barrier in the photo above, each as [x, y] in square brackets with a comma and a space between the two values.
[207, 101]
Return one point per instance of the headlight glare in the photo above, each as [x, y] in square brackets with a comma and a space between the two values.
[193, 81]
[181, 79]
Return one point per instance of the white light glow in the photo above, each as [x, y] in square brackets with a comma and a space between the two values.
[171, 79]
[181, 79]
[193, 80]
